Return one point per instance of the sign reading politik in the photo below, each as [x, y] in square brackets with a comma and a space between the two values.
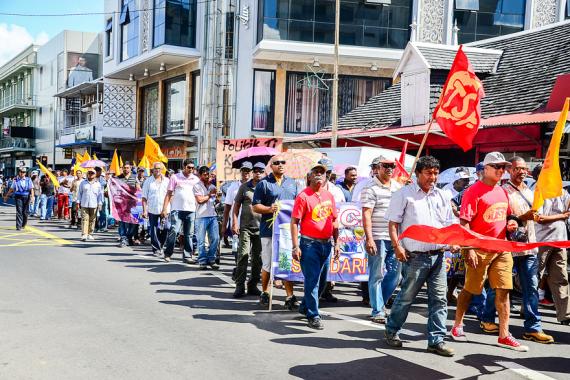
[458, 112]
[228, 148]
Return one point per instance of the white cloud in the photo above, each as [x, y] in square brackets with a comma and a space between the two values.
[16, 38]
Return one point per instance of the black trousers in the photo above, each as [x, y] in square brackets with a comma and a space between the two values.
[22, 208]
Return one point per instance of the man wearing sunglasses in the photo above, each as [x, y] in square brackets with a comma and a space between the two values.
[154, 191]
[375, 198]
[268, 192]
[484, 209]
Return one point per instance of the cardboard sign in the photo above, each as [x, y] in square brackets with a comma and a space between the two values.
[227, 149]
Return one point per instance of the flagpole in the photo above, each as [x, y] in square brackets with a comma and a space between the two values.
[421, 147]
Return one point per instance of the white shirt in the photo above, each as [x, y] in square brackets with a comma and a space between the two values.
[450, 191]
[230, 198]
[90, 194]
[154, 192]
[337, 193]
[205, 209]
[183, 192]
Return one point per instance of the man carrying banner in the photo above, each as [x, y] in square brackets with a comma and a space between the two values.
[315, 210]
[375, 198]
[484, 209]
[154, 192]
[127, 230]
[420, 203]
[271, 189]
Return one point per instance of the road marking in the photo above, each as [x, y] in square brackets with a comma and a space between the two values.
[47, 235]
[29, 237]
[524, 372]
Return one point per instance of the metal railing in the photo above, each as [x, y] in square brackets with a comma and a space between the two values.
[9, 101]
[16, 142]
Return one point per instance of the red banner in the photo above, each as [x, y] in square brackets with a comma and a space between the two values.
[459, 235]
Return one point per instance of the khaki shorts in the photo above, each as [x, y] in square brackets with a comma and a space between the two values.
[266, 253]
[498, 267]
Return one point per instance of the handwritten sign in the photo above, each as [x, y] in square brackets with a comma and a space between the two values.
[227, 149]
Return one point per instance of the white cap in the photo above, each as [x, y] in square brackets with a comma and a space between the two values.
[495, 158]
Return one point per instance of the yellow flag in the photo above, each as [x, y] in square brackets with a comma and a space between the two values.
[95, 156]
[144, 163]
[135, 163]
[115, 168]
[86, 156]
[549, 184]
[48, 173]
[152, 151]
[121, 161]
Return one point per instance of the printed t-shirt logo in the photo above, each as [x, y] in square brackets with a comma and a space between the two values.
[496, 213]
[322, 211]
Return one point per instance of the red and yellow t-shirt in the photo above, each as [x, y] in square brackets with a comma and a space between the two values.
[317, 213]
[486, 208]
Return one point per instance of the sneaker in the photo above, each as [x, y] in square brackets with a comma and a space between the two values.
[90, 237]
[441, 349]
[264, 299]
[166, 259]
[291, 303]
[83, 237]
[329, 297]
[203, 267]
[122, 244]
[252, 290]
[240, 291]
[565, 322]
[457, 334]
[489, 327]
[511, 343]
[378, 319]
[538, 337]
[214, 266]
[316, 323]
[546, 302]
[392, 340]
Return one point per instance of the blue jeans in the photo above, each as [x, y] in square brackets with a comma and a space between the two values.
[314, 264]
[127, 231]
[46, 207]
[527, 269]
[102, 219]
[380, 287]
[421, 268]
[207, 225]
[157, 236]
[34, 206]
[185, 220]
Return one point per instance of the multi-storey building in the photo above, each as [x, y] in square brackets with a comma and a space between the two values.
[18, 105]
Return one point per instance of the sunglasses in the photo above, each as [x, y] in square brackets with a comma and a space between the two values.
[389, 166]
[498, 166]
[258, 170]
[520, 169]
[190, 167]
[279, 163]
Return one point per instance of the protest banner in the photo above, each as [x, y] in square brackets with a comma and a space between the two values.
[228, 148]
[352, 264]
[125, 205]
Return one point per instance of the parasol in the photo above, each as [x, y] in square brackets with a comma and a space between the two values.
[254, 155]
[93, 164]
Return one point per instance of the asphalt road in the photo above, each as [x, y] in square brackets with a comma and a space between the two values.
[91, 310]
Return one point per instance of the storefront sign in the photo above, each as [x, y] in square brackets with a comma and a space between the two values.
[228, 148]
[174, 152]
[84, 134]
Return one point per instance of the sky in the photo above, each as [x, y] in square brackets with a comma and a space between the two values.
[18, 32]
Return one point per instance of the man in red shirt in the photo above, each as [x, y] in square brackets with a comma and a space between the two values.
[315, 209]
[484, 209]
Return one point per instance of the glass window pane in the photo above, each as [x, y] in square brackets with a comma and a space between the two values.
[274, 29]
[397, 38]
[513, 6]
[276, 8]
[466, 21]
[301, 31]
[175, 94]
[467, 4]
[348, 12]
[150, 111]
[486, 24]
[263, 100]
[302, 9]
[488, 5]
[324, 10]
[371, 14]
[400, 17]
[351, 35]
[375, 37]
[324, 33]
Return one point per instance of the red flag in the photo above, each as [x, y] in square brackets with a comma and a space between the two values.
[458, 112]
[400, 174]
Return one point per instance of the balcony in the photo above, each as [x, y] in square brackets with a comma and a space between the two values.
[8, 144]
[12, 105]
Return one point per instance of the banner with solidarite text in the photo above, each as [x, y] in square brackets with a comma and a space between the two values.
[352, 265]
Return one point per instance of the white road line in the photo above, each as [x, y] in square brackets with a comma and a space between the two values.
[524, 372]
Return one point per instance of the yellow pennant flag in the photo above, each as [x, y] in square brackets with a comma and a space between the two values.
[48, 173]
[549, 183]
[152, 151]
[121, 161]
[86, 156]
[144, 163]
[115, 168]
[95, 156]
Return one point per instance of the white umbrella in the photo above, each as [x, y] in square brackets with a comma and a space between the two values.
[448, 175]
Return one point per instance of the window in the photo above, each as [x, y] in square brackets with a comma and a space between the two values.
[109, 38]
[480, 19]
[174, 113]
[230, 22]
[175, 22]
[196, 90]
[567, 14]
[129, 21]
[149, 118]
[361, 23]
[308, 108]
[263, 100]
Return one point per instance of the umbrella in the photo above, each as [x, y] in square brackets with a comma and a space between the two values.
[254, 155]
[448, 175]
[299, 162]
[93, 164]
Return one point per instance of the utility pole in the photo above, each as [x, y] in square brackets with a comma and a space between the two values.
[335, 79]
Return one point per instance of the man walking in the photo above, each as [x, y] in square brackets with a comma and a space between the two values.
[206, 220]
[23, 190]
[37, 191]
[127, 230]
[154, 192]
[348, 183]
[271, 189]
[182, 204]
[90, 198]
[63, 196]
[375, 198]
[420, 203]
[248, 231]
[75, 218]
[101, 224]
[484, 209]
[47, 198]
[315, 210]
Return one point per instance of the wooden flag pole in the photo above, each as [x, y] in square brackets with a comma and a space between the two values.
[421, 147]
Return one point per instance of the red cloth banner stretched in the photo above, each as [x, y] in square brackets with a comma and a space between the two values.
[459, 235]
[122, 201]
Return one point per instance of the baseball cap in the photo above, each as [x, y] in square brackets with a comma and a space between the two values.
[259, 165]
[382, 160]
[461, 173]
[318, 164]
[327, 163]
[495, 158]
[480, 166]
[246, 165]
[22, 169]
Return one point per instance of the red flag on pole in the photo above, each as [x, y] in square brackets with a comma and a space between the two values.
[400, 174]
[458, 112]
